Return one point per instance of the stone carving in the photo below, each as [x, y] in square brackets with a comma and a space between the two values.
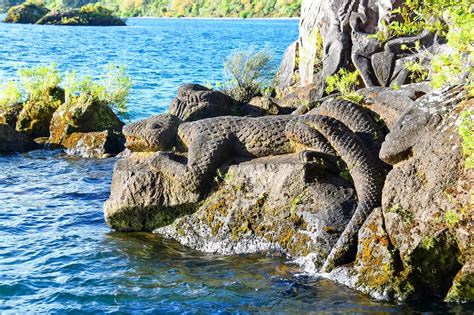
[212, 142]
[195, 102]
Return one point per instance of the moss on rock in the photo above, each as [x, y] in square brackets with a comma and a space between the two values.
[25, 13]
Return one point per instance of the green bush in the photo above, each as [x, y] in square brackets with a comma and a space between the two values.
[466, 131]
[10, 95]
[37, 82]
[249, 73]
[346, 83]
[112, 88]
[452, 20]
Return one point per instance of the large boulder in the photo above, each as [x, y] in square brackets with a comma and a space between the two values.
[142, 199]
[420, 242]
[13, 141]
[72, 122]
[25, 13]
[280, 203]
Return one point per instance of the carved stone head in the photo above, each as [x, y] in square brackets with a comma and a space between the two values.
[157, 133]
[196, 102]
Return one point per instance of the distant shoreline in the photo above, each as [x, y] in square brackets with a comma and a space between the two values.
[211, 18]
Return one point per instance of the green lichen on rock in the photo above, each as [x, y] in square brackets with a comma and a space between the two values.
[82, 115]
[36, 114]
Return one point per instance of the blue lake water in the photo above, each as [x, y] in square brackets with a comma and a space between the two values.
[56, 253]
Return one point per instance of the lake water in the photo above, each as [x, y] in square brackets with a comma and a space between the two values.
[56, 253]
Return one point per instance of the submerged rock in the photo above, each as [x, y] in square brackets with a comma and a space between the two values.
[25, 13]
[13, 141]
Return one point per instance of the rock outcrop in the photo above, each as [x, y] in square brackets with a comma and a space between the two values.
[89, 15]
[13, 141]
[80, 17]
[420, 242]
[204, 146]
[25, 13]
[87, 128]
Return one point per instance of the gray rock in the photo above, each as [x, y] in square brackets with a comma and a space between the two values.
[196, 102]
[142, 199]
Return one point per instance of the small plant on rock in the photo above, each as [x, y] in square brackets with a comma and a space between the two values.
[10, 95]
[38, 82]
[346, 82]
[112, 88]
[249, 73]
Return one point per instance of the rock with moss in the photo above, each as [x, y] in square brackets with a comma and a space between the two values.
[143, 199]
[13, 141]
[25, 13]
[36, 114]
[99, 144]
[82, 115]
[90, 15]
[9, 115]
[420, 243]
[272, 203]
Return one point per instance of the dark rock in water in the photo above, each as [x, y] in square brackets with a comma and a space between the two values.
[420, 242]
[89, 15]
[196, 102]
[13, 141]
[26, 13]
[87, 128]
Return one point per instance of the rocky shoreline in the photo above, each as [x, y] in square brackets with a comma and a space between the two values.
[375, 194]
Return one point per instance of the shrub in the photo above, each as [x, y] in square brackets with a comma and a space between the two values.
[10, 95]
[249, 73]
[37, 82]
[452, 20]
[112, 88]
[346, 82]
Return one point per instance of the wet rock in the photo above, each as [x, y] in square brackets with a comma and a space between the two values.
[13, 141]
[142, 199]
[25, 13]
[99, 144]
[276, 203]
[71, 123]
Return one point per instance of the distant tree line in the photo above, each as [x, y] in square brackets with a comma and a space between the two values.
[184, 8]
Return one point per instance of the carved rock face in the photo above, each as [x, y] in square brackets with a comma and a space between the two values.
[196, 102]
[157, 133]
